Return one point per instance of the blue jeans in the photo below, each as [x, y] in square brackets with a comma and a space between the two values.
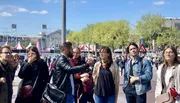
[106, 99]
[70, 98]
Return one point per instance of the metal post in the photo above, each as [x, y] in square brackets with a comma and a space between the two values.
[63, 21]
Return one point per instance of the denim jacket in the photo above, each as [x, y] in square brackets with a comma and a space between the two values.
[144, 73]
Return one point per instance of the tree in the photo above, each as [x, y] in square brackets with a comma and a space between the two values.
[150, 26]
[169, 36]
[111, 33]
[26, 43]
[87, 34]
[74, 37]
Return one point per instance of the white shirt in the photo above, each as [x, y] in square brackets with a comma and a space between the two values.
[72, 83]
[168, 75]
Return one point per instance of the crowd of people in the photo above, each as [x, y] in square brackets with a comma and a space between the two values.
[89, 80]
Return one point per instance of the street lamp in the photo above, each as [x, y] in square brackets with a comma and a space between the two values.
[41, 40]
[63, 21]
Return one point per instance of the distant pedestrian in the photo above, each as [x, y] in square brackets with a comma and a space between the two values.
[51, 65]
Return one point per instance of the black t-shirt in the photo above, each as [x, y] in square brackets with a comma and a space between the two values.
[131, 68]
[105, 84]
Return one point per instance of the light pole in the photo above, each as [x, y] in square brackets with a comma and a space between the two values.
[41, 40]
[63, 21]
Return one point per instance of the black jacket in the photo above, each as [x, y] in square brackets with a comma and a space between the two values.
[8, 72]
[29, 72]
[63, 67]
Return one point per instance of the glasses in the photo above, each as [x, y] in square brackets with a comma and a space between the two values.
[6, 52]
[76, 52]
[32, 53]
[169, 52]
[103, 52]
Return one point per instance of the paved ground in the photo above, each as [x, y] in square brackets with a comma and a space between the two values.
[121, 98]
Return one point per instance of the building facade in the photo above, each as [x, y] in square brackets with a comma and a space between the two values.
[50, 41]
[172, 22]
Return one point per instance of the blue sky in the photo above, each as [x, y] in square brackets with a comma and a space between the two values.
[29, 15]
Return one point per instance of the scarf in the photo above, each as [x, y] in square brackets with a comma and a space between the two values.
[75, 61]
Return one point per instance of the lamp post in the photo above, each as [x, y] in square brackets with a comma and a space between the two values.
[41, 40]
[63, 21]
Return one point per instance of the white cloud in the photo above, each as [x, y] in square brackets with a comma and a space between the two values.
[46, 1]
[22, 10]
[44, 12]
[84, 1]
[158, 3]
[5, 14]
[39, 12]
[13, 8]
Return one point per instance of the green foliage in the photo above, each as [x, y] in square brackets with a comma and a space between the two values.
[169, 36]
[111, 33]
[74, 37]
[117, 34]
[26, 43]
[150, 26]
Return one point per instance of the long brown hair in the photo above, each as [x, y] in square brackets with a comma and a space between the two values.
[108, 50]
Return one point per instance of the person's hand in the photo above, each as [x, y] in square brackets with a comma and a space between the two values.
[90, 62]
[43, 100]
[84, 79]
[133, 79]
[31, 59]
[84, 75]
[2, 80]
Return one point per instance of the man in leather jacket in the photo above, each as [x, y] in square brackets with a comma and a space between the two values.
[63, 67]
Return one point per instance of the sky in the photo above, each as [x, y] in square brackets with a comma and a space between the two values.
[30, 15]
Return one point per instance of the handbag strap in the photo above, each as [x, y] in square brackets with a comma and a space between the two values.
[37, 77]
[36, 80]
[61, 84]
